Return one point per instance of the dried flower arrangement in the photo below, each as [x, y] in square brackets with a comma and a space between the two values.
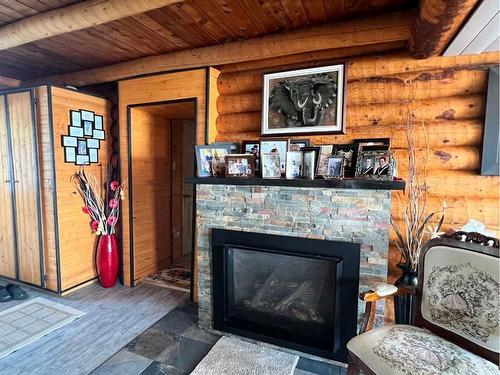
[104, 213]
[419, 225]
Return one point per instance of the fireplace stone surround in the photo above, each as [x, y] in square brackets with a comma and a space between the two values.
[355, 215]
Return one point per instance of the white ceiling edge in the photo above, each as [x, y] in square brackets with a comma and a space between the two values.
[480, 33]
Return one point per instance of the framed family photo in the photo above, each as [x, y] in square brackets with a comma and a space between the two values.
[240, 165]
[252, 148]
[210, 159]
[305, 101]
[335, 167]
[277, 146]
[271, 165]
[375, 164]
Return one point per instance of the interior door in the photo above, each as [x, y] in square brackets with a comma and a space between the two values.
[26, 186]
[7, 240]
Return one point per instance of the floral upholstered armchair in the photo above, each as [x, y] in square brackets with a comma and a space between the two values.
[456, 317]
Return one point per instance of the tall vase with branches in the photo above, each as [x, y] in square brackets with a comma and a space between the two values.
[104, 215]
[419, 224]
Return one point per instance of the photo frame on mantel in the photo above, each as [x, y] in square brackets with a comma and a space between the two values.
[304, 101]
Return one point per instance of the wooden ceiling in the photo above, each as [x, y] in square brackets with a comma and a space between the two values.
[185, 25]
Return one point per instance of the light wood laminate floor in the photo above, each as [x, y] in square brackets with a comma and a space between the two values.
[114, 317]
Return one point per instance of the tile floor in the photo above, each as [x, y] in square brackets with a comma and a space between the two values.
[175, 345]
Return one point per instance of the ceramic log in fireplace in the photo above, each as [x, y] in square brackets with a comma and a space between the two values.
[293, 292]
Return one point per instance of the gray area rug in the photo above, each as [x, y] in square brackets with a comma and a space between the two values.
[231, 356]
[25, 323]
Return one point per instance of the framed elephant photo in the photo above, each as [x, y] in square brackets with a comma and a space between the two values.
[305, 101]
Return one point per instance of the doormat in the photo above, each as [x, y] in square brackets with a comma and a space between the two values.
[177, 277]
[25, 323]
[231, 356]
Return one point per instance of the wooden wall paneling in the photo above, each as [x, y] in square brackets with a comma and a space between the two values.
[7, 225]
[76, 240]
[151, 184]
[190, 84]
[48, 188]
[188, 191]
[177, 184]
[27, 186]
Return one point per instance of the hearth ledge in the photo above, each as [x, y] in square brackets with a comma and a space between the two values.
[351, 183]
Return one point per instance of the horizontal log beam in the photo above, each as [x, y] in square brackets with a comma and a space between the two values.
[436, 24]
[452, 108]
[420, 86]
[459, 211]
[314, 58]
[365, 31]
[441, 133]
[9, 82]
[73, 17]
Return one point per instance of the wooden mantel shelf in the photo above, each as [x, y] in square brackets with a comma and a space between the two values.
[351, 183]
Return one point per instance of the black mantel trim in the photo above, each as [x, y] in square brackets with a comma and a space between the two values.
[350, 183]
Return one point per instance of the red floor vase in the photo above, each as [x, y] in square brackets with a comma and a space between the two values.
[107, 260]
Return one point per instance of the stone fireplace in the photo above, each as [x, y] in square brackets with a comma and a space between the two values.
[358, 216]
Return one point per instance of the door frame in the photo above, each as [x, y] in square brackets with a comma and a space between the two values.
[35, 150]
[130, 188]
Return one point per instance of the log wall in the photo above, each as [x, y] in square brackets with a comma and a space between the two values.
[447, 93]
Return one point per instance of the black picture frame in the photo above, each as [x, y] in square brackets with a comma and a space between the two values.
[306, 142]
[256, 154]
[363, 172]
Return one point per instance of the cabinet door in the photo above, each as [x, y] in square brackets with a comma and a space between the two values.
[26, 186]
[7, 242]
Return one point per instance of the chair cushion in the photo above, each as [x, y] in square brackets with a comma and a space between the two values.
[408, 350]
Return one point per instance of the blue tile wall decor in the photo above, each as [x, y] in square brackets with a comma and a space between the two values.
[93, 143]
[85, 131]
[75, 131]
[93, 155]
[98, 122]
[68, 141]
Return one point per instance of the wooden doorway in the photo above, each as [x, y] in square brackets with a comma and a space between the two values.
[161, 152]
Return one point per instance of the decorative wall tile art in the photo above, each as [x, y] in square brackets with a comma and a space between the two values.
[85, 133]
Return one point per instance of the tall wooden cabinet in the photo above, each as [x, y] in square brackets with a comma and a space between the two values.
[20, 229]
[45, 239]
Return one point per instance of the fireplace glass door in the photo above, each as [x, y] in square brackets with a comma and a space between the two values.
[286, 296]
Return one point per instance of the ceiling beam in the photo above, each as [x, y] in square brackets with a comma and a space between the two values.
[436, 24]
[74, 17]
[360, 32]
[9, 82]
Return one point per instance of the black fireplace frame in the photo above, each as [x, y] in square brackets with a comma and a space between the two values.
[345, 255]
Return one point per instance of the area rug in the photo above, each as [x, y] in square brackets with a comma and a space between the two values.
[231, 356]
[176, 277]
[25, 323]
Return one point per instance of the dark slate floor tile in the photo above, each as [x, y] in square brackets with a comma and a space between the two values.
[151, 342]
[189, 308]
[196, 333]
[317, 367]
[123, 363]
[184, 354]
[175, 322]
[157, 368]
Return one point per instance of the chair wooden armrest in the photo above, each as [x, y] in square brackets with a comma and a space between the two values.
[371, 297]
